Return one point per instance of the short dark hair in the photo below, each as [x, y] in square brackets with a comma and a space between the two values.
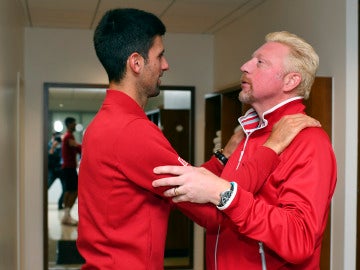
[122, 32]
[69, 120]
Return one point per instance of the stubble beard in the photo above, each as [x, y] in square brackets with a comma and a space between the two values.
[246, 97]
[150, 89]
[156, 91]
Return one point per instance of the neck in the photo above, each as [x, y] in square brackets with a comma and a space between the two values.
[274, 107]
[129, 90]
[267, 105]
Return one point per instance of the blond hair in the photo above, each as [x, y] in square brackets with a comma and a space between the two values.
[302, 59]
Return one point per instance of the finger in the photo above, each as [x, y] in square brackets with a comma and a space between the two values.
[170, 169]
[309, 122]
[304, 122]
[295, 122]
[180, 198]
[167, 181]
[181, 195]
[170, 192]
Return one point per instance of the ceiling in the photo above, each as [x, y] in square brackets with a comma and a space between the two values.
[75, 98]
[179, 16]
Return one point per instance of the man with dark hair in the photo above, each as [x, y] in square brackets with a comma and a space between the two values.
[70, 149]
[54, 164]
[122, 223]
[122, 218]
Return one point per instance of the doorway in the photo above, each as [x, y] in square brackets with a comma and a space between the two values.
[82, 101]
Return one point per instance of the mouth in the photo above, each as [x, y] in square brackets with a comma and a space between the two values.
[244, 80]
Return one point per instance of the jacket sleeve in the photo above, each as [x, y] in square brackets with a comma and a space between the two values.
[253, 172]
[144, 150]
[213, 165]
[293, 205]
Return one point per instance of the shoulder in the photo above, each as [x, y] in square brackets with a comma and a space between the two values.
[143, 128]
[313, 135]
[311, 141]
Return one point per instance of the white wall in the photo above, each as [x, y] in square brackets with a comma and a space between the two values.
[331, 27]
[59, 55]
[11, 62]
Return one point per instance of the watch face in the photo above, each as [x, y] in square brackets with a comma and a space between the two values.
[225, 196]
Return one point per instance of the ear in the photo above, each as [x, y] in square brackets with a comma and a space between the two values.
[135, 62]
[291, 81]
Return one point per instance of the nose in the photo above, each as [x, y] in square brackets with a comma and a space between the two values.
[164, 64]
[245, 67]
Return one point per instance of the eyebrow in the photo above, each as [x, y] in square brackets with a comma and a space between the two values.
[257, 54]
[162, 52]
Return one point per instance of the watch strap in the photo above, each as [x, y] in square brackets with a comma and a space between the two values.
[220, 156]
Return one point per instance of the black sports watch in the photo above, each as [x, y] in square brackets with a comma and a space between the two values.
[226, 195]
[220, 156]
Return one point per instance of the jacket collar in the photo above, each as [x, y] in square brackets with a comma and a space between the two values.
[123, 102]
[251, 120]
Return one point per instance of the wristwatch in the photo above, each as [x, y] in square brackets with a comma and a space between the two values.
[226, 195]
[220, 156]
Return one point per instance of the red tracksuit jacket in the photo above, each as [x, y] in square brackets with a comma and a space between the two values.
[288, 213]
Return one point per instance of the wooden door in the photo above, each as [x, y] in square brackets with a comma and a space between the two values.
[319, 106]
[175, 125]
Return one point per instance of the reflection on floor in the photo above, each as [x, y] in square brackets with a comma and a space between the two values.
[62, 252]
[62, 243]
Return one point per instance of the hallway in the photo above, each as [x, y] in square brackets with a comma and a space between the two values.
[62, 254]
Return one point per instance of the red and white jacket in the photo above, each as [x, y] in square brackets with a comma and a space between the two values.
[288, 212]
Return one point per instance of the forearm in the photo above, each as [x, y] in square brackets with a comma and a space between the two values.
[205, 215]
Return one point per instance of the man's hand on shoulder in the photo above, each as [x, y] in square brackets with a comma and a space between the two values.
[286, 129]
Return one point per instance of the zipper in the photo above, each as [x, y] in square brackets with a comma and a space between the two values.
[261, 246]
